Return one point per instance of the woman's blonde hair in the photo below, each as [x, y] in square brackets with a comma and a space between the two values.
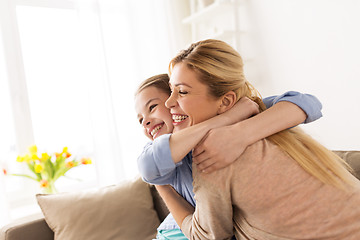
[160, 81]
[220, 67]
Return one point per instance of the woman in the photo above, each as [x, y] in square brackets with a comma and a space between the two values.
[157, 120]
[286, 186]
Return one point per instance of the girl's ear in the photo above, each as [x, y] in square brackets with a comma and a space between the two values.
[227, 102]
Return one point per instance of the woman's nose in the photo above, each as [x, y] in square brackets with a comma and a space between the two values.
[171, 101]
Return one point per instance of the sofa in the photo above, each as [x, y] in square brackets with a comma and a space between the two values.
[137, 207]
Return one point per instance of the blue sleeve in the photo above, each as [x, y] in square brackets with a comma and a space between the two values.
[155, 162]
[307, 102]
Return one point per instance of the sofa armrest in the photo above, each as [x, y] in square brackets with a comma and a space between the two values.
[30, 228]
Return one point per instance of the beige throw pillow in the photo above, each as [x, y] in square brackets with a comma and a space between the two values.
[123, 211]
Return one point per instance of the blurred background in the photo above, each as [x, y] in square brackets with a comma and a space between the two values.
[69, 69]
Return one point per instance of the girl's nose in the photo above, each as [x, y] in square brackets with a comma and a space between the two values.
[146, 122]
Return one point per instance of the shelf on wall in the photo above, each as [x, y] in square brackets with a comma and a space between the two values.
[216, 8]
[226, 34]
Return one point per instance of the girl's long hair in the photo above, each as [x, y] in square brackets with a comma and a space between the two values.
[220, 67]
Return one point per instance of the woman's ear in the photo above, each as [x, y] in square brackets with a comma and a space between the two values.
[227, 102]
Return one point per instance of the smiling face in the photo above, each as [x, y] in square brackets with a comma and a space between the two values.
[152, 113]
[190, 102]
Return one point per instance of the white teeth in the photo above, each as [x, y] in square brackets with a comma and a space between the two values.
[178, 118]
[155, 130]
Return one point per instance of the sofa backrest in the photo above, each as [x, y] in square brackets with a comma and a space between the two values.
[353, 159]
[159, 204]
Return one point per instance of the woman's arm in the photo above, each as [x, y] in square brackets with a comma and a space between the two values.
[307, 102]
[215, 151]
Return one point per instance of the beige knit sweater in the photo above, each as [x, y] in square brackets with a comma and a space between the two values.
[265, 194]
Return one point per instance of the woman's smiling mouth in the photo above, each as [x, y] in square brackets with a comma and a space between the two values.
[177, 118]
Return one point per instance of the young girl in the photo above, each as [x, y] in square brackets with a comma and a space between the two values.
[177, 171]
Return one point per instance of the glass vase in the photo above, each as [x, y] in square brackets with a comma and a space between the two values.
[50, 188]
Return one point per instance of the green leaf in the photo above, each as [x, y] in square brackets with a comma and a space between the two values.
[59, 163]
[24, 175]
[61, 172]
[49, 168]
[31, 166]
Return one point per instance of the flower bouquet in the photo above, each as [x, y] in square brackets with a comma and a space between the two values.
[47, 168]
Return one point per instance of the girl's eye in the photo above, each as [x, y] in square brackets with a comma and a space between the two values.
[152, 107]
[183, 92]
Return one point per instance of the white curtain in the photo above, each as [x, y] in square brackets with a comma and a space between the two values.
[124, 42]
[136, 40]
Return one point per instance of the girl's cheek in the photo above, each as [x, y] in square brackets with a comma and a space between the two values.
[146, 134]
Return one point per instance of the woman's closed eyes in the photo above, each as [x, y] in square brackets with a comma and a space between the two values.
[183, 92]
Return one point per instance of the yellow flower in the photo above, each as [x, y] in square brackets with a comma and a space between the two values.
[33, 149]
[27, 158]
[46, 165]
[44, 157]
[86, 161]
[24, 158]
[65, 150]
[20, 158]
[34, 157]
[38, 168]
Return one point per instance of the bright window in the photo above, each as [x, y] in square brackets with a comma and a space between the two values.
[72, 68]
[57, 91]
[58, 94]
[11, 186]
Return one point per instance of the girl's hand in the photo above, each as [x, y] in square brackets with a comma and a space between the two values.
[222, 146]
[219, 148]
[243, 109]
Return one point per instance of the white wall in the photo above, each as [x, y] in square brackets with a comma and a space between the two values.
[311, 46]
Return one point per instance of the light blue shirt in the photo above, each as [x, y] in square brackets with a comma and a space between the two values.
[156, 165]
